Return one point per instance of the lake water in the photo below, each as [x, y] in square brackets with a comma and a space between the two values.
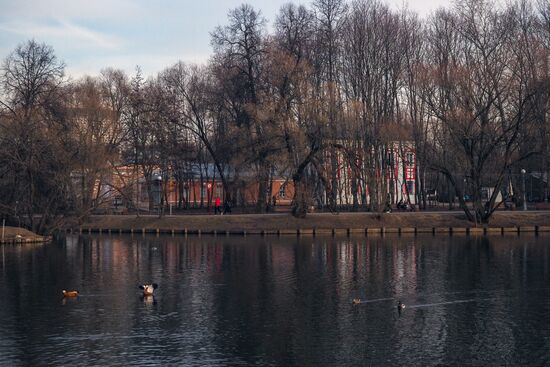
[229, 301]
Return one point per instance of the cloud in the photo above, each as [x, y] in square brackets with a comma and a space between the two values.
[97, 38]
[149, 63]
[65, 31]
[91, 34]
[69, 9]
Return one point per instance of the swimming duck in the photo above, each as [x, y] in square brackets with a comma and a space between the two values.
[148, 289]
[356, 301]
[70, 293]
[400, 306]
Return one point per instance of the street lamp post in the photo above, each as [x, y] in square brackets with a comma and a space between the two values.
[158, 195]
[464, 191]
[523, 188]
[15, 213]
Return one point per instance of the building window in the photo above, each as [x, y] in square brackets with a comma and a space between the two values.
[203, 192]
[390, 159]
[410, 187]
[185, 193]
[282, 192]
[484, 194]
[409, 159]
[143, 192]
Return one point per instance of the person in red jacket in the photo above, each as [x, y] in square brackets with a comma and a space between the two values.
[217, 205]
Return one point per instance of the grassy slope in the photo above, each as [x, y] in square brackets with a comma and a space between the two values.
[11, 232]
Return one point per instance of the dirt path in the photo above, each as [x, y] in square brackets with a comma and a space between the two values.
[270, 222]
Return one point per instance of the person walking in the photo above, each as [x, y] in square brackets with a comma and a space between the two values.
[227, 207]
[217, 205]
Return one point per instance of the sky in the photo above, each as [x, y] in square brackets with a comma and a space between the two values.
[88, 35]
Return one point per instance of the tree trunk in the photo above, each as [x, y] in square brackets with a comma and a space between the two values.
[263, 182]
[299, 203]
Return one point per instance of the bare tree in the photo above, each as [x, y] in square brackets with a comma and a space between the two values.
[239, 56]
[197, 112]
[95, 113]
[483, 98]
[36, 151]
[372, 64]
[330, 16]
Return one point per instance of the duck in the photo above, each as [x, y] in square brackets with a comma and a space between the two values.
[356, 301]
[70, 293]
[148, 289]
[400, 306]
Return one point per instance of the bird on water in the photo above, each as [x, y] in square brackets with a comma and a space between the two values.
[148, 289]
[400, 306]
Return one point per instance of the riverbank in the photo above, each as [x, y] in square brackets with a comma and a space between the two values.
[12, 235]
[418, 222]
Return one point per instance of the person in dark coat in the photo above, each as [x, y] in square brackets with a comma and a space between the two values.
[226, 207]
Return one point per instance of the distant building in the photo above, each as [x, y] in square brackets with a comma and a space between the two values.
[127, 187]
[400, 169]
[199, 184]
